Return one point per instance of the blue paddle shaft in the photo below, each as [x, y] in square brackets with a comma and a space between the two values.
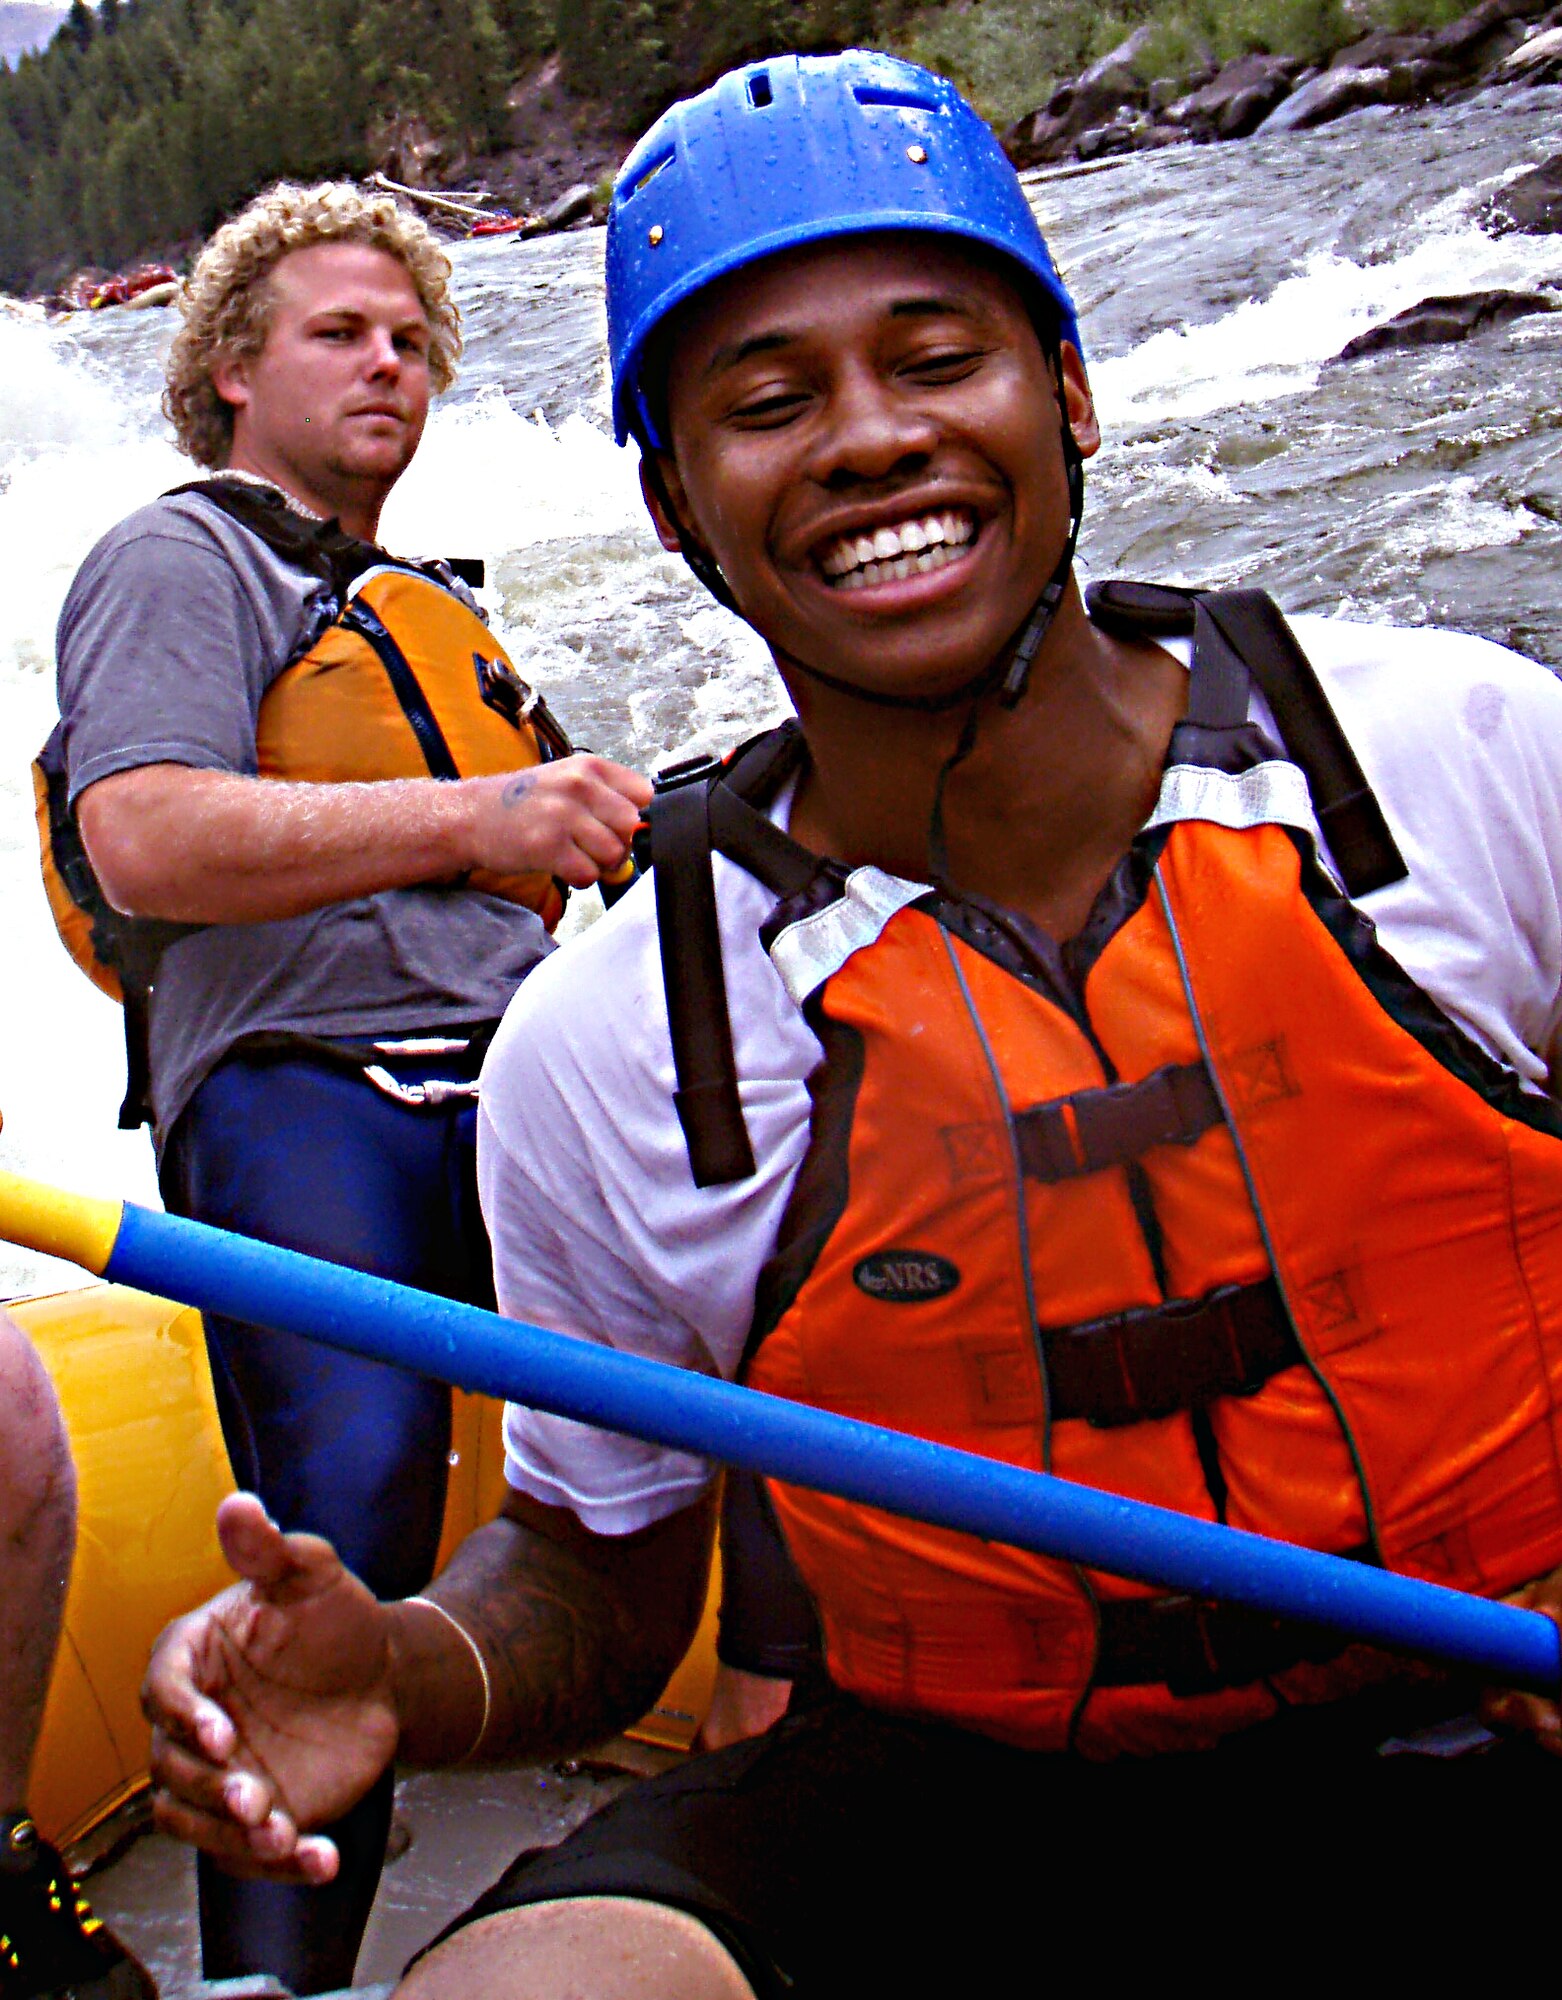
[481, 1351]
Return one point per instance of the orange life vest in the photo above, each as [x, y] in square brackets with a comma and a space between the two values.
[404, 681]
[1215, 1209]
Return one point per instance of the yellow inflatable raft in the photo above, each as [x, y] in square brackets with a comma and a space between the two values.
[150, 1466]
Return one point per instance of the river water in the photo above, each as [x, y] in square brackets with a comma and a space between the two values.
[1215, 285]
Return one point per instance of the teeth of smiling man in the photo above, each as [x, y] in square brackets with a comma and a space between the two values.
[912, 548]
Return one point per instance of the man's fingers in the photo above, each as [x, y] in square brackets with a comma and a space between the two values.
[171, 1697]
[1512, 1713]
[628, 784]
[268, 1849]
[603, 843]
[258, 1550]
[274, 1851]
[239, 1796]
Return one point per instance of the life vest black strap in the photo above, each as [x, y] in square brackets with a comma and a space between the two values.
[699, 806]
[1155, 1360]
[321, 549]
[1239, 633]
[1116, 1124]
[1348, 812]
[709, 1108]
[1193, 1647]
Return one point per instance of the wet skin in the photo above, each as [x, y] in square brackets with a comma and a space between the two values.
[850, 388]
[841, 389]
[333, 406]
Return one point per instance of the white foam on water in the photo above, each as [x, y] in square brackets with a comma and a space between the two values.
[73, 460]
[490, 479]
[1153, 481]
[1447, 519]
[1277, 345]
[48, 394]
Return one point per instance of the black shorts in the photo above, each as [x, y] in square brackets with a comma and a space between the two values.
[848, 1852]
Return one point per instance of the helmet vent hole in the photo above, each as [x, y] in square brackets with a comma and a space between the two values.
[759, 93]
[651, 172]
[903, 97]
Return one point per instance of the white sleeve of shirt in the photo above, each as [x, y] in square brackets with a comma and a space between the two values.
[598, 1229]
[1462, 742]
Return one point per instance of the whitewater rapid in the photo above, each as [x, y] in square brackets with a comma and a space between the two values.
[1216, 284]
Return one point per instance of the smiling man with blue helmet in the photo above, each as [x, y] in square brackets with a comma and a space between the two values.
[1053, 1042]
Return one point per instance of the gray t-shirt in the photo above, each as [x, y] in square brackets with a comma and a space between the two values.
[175, 626]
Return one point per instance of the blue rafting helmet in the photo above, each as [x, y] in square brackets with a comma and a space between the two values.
[799, 149]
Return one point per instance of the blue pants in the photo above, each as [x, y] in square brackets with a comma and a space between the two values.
[300, 1152]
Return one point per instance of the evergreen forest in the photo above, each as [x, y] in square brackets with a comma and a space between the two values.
[144, 122]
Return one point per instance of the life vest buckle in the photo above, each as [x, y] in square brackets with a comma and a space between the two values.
[691, 771]
[503, 690]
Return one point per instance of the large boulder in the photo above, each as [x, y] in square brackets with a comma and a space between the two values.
[573, 206]
[1382, 50]
[1333, 92]
[1094, 99]
[1454, 317]
[1121, 67]
[1237, 99]
[1532, 203]
[1483, 36]
[1536, 60]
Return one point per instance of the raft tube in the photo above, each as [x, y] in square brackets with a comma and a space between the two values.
[133, 1382]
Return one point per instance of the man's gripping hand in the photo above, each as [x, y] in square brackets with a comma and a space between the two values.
[272, 1707]
[574, 819]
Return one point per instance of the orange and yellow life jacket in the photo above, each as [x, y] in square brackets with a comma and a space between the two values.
[1213, 1208]
[405, 680]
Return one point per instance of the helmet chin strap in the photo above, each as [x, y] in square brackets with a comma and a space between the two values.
[1009, 673]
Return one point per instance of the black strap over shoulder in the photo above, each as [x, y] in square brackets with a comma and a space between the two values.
[707, 1101]
[1347, 808]
[321, 549]
[1241, 636]
[699, 806]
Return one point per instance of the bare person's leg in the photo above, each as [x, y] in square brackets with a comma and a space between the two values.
[581, 1948]
[53, 1942]
[37, 1534]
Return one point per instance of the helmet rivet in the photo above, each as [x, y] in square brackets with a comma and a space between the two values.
[656, 234]
[917, 155]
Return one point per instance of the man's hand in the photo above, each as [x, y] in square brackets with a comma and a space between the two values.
[272, 1708]
[574, 819]
[1539, 1716]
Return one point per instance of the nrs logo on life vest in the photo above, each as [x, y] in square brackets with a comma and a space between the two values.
[905, 1277]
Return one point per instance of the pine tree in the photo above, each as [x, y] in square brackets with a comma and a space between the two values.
[79, 26]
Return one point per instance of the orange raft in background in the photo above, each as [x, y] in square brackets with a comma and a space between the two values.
[133, 1381]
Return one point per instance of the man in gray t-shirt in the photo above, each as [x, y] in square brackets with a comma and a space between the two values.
[327, 919]
[174, 628]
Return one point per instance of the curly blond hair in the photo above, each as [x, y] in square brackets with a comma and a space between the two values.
[227, 303]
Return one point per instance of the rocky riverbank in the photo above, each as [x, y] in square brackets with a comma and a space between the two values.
[1120, 105]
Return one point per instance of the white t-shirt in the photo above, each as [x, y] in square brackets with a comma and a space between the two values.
[597, 1226]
